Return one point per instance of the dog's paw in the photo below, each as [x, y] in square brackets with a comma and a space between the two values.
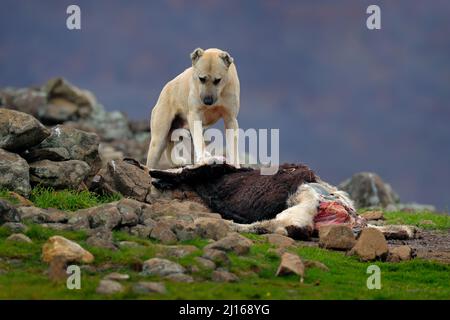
[209, 159]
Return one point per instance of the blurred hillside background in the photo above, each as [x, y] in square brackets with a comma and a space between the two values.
[346, 99]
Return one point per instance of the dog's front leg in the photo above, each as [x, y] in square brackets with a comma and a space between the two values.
[196, 128]
[232, 138]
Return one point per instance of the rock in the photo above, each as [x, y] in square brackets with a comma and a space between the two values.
[373, 215]
[8, 213]
[371, 245]
[367, 189]
[184, 230]
[179, 251]
[211, 228]
[291, 264]
[143, 287]
[163, 233]
[105, 216]
[109, 287]
[216, 256]
[223, 276]
[19, 237]
[69, 250]
[15, 227]
[14, 173]
[61, 94]
[115, 276]
[101, 240]
[39, 215]
[411, 207]
[19, 131]
[130, 210]
[25, 100]
[58, 111]
[160, 267]
[180, 277]
[59, 175]
[178, 209]
[338, 237]
[400, 253]
[65, 143]
[205, 263]
[57, 270]
[316, 264]
[110, 126]
[399, 232]
[141, 231]
[235, 242]
[124, 178]
[279, 240]
[129, 244]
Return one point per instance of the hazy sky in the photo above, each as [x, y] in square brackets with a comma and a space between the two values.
[345, 99]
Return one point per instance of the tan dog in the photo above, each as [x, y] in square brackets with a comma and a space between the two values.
[197, 98]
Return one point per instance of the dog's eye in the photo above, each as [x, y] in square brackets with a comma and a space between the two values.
[202, 79]
[216, 81]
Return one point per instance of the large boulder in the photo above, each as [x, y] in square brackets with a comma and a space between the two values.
[14, 173]
[367, 189]
[123, 177]
[66, 143]
[59, 175]
[19, 131]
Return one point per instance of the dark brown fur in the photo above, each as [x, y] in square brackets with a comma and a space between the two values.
[243, 195]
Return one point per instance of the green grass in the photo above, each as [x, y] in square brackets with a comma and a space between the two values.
[68, 200]
[440, 221]
[26, 273]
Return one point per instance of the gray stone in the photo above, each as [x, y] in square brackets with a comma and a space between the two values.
[108, 287]
[39, 215]
[180, 277]
[144, 287]
[160, 267]
[59, 175]
[8, 213]
[19, 237]
[178, 251]
[205, 263]
[14, 173]
[291, 264]
[15, 227]
[223, 276]
[125, 178]
[234, 242]
[217, 256]
[66, 143]
[19, 131]
[163, 233]
[367, 189]
[115, 276]
[211, 228]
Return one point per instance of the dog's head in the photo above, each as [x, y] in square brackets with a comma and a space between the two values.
[210, 73]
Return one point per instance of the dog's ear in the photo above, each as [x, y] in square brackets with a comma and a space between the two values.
[227, 59]
[196, 54]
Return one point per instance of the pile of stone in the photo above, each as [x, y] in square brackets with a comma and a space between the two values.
[31, 154]
[60, 102]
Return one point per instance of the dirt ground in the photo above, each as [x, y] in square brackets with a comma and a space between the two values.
[431, 244]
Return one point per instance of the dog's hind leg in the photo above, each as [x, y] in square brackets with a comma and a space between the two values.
[160, 127]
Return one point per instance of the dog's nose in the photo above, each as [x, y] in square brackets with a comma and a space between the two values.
[208, 100]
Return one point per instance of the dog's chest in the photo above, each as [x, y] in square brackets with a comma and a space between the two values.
[211, 115]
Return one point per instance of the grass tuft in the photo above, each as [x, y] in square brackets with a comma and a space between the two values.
[68, 200]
